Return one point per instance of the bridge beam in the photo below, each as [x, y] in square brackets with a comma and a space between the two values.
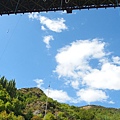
[25, 6]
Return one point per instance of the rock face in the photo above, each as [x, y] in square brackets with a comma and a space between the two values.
[35, 100]
[87, 107]
[36, 112]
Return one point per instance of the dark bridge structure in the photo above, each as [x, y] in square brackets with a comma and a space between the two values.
[26, 6]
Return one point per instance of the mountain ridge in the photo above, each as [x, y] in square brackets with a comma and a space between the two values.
[30, 104]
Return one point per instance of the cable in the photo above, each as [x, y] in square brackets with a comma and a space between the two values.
[17, 6]
[61, 3]
[7, 43]
[46, 102]
[117, 5]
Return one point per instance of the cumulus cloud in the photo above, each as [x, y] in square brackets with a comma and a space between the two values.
[74, 59]
[58, 95]
[55, 25]
[86, 64]
[75, 84]
[92, 95]
[108, 77]
[39, 82]
[47, 40]
[116, 60]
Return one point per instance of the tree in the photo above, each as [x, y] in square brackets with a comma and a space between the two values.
[2, 106]
[8, 107]
[49, 116]
[11, 88]
[20, 117]
[29, 115]
[36, 118]
[60, 116]
[3, 115]
[3, 82]
[86, 115]
[4, 95]
[17, 106]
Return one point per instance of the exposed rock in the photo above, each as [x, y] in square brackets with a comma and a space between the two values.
[36, 112]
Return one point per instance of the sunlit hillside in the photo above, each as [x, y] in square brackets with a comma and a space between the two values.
[33, 104]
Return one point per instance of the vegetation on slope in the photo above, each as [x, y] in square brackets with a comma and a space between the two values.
[30, 103]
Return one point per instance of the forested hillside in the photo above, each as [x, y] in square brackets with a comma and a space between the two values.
[30, 104]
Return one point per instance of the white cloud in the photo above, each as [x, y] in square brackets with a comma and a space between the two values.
[39, 82]
[55, 25]
[92, 95]
[106, 78]
[75, 58]
[34, 15]
[58, 95]
[86, 64]
[116, 60]
[43, 28]
[111, 102]
[75, 84]
[47, 40]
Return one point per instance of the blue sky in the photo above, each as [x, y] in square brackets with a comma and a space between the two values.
[77, 54]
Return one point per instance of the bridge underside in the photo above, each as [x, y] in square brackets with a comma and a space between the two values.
[25, 6]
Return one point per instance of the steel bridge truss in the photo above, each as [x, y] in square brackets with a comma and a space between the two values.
[25, 6]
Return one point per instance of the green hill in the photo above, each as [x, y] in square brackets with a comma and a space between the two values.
[30, 104]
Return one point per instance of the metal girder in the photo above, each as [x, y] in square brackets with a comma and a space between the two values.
[25, 6]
